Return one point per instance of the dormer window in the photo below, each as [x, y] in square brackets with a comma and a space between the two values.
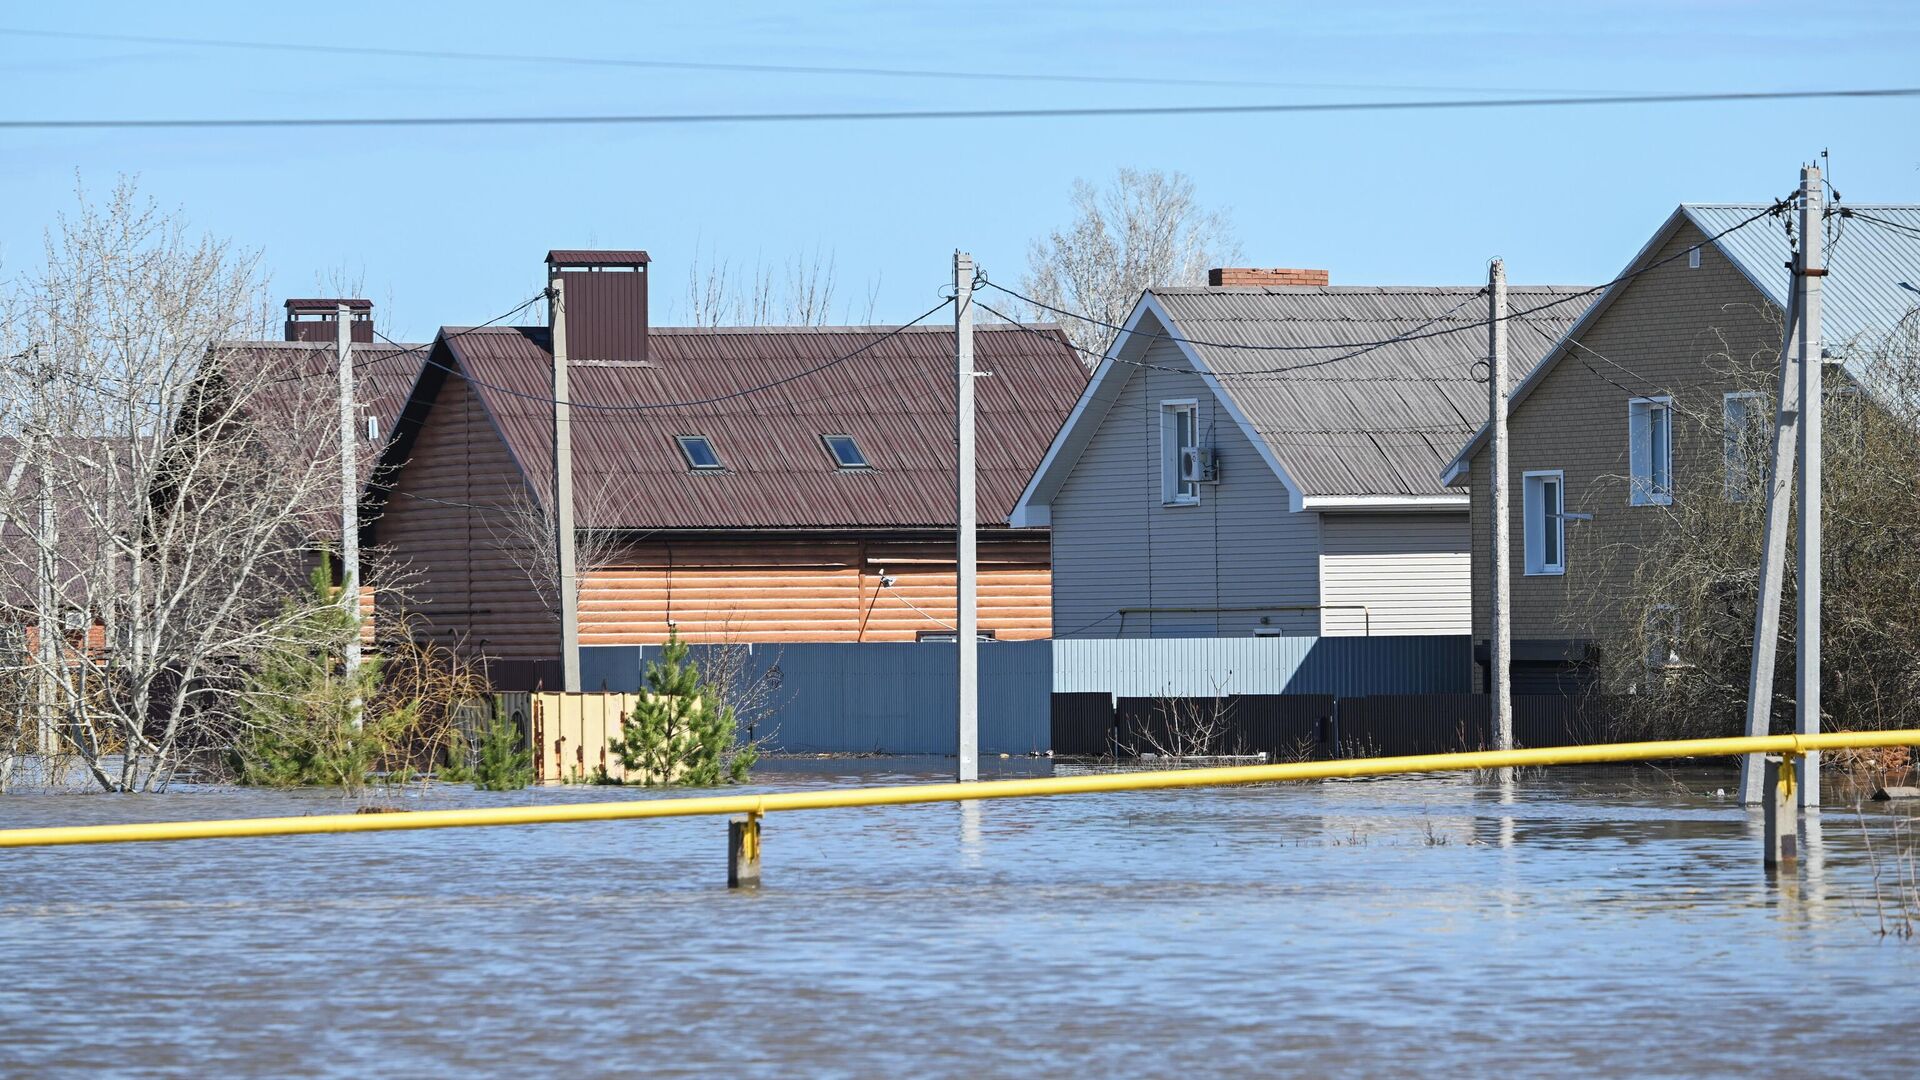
[699, 452]
[845, 452]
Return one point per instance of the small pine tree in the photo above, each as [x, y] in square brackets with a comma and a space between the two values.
[506, 763]
[681, 732]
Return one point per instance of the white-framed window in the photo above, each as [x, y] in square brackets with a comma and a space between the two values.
[1179, 438]
[1746, 433]
[1544, 528]
[1650, 450]
[1663, 637]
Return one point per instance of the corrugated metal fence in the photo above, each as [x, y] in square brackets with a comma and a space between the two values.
[898, 697]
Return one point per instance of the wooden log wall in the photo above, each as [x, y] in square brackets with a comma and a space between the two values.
[807, 589]
[447, 521]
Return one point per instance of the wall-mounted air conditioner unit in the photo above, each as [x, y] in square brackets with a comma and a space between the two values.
[1199, 465]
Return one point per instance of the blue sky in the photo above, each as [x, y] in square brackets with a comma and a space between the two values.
[448, 226]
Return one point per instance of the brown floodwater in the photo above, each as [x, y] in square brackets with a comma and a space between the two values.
[1600, 922]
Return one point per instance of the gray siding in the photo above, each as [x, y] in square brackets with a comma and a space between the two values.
[1207, 667]
[1411, 570]
[1116, 546]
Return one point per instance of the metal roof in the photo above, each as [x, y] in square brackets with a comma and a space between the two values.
[383, 374]
[1861, 294]
[590, 257]
[896, 399]
[331, 304]
[1350, 420]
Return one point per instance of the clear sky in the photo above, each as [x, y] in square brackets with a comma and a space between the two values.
[449, 226]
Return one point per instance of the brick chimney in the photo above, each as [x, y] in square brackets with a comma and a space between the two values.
[606, 298]
[1257, 275]
[312, 320]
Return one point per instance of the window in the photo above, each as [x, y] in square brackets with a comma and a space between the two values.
[1545, 525]
[1650, 450]
[1693, 257]
[845, 452]
[699, 452]
[1746, 433]
[950, 635]
[1179, 438]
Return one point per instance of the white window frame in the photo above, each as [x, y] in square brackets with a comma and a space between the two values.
[1661, 627]
[1535, 521]
[1647, 462]
[1173, 490]
[1737, 469]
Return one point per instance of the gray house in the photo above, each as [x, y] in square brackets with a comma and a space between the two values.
[1255, 460]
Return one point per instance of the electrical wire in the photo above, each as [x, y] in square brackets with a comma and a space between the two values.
[1090, 112]
[715, 399]
[422, 348]
[1361, 347]
[313, 48]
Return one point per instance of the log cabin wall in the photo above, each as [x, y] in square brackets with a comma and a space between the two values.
[448, 519]
[790, 589]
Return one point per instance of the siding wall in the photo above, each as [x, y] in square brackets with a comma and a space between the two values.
[824, 589]
[1412, 570]
[465, 588]
[1694, 333]
[1116, 546]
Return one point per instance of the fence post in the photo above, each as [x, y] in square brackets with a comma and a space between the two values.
[1782, 834]
[743, 852]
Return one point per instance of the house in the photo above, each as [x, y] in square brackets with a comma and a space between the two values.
[1262, 456]
[1643, 404]
[753, 484]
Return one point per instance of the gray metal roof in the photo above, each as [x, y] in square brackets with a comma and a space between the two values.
[1352, 420]
[1866, 261]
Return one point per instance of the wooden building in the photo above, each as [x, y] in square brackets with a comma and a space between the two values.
[777, 484]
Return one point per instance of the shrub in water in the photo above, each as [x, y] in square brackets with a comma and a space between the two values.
[506, 764]
[681, 732]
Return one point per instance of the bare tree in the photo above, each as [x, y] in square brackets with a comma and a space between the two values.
[1145, 229]
[1676, 641]
[163, 502]
[525, 529]
[800, 292]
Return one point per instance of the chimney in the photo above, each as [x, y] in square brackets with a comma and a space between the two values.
[312, 320]
[606, 298]
[1255, 275]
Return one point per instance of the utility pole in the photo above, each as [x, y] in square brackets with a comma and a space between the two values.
[1500, 645]
[1773, 552]
[51, 626]
[967, 634]
[349, 502]
[1807, 625]
[1797, 408]
[563, 535]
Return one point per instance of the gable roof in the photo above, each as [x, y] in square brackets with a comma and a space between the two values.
[1860, 295]
[384, 374]
[890, 388]
[1343, 421]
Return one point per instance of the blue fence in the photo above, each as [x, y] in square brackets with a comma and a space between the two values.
[898, 698]
[874, 697]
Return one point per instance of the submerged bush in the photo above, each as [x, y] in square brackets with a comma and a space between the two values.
[506, 763]
[681, 732]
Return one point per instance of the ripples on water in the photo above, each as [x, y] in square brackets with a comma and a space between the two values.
[1606, 922]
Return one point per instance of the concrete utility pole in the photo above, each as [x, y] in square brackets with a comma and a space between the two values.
[1799, 407]
[349, 499]
[563, 535]
[1813, 267]
[52, 628]
[1773, 554]
[1500, 645]
[966, 625]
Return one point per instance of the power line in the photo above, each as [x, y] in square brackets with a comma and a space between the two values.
[409, 350]
[1360, 347]
[1089, 112]
[715, 399]
[721, 66]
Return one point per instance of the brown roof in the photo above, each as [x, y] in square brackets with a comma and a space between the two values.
[332, 303]
[588, 257]
[895, 398]
[384, 374]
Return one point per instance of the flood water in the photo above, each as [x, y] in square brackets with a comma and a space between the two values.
[1611, 922]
